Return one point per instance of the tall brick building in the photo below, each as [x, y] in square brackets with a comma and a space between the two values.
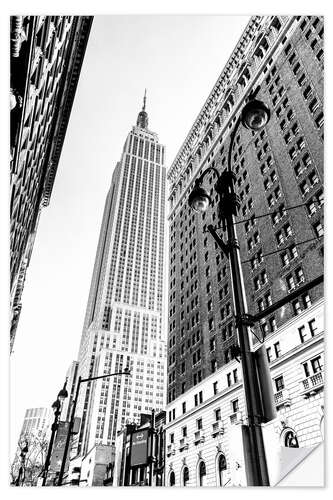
[279, 179]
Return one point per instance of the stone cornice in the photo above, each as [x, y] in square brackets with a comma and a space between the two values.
[76, 58]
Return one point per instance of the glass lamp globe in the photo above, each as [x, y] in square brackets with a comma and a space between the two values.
[199, 199]
[56, 405]
[255, 115]
[63, 394]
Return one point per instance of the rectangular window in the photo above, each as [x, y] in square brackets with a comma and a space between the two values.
[302, 333]
[312, 327]
[279, 383]
[319, 230]
[277, 349]
[316, 364]
[235, 405]
[269, 354]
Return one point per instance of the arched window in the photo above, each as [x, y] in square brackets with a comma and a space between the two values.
[290, 439]
[186, 476]
[202, 474]
[172, 478]
[222, 466]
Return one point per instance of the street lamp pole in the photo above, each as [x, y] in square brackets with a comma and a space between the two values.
[71, 422]
[254, 116]
[57, 410]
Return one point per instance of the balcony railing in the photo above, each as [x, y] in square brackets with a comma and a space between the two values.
[183, 444]
[199, 437]
[236, 418]
[312, 384]
[171, 450]
[282, 398]
[217, 428]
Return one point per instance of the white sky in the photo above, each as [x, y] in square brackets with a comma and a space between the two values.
[178, 59]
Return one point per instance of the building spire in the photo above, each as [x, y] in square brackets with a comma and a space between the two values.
[142, 120]
[144, 101]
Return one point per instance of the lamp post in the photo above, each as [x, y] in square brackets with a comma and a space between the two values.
[254, 116]
[71, 422]
[56, 407]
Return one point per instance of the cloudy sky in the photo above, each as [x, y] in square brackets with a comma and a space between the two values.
[178, 59]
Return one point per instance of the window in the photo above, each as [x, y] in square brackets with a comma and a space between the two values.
[269, 354]
[296, 307]
[284, 259]
[319, 230]
[312, 327]
[313, 178]
[302, 333]
[277, 349]
[293, 251]
[229, 379]
[290, 440]
[199, 424]
[186, 476]
[215, 388]
[279, 383]
[235, 406]
[290, 282]
[235, 375]
[218, 414]
[202, 474]
[316, 364]
[172, 478]
[299, 275]
[184, 431]
[222, 466]
[184, 407]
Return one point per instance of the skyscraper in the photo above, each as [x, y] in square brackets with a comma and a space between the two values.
[124, 318]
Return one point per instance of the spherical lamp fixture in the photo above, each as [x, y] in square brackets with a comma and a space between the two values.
[199, 199]
[255, 115]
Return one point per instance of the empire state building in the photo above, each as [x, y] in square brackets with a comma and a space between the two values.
[124, 321]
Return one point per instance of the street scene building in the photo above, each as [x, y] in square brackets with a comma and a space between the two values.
[46, 58]
[202, 439]
[279, 187]
[203, 365]
[124, 325]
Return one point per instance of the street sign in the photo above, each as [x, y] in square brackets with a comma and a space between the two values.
[139, 451]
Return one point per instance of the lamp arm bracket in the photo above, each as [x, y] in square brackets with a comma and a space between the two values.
[245, 319]
[199, 180]
[223, 246]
